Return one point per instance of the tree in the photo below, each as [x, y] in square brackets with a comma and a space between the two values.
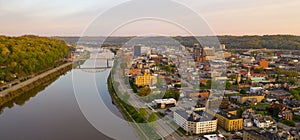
[291, 81]
[152, 117]
[207, 85]
[143, 112]
[274, 111]
[289, 123]
[144, 91]
[133, 86]
[228, 85]
[26, 55]
[239, 112]
[242, 91]
[172, 94]
[296, 93]
[259, 70]
[296, 118]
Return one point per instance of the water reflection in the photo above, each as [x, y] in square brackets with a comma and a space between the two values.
[26, 96]
[51, 111]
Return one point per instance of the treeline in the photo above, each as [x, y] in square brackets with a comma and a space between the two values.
[25, 55]
[288, 42]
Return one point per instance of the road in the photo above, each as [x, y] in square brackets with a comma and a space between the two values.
[29, 81]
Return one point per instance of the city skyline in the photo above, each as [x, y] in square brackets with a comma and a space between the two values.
[70, 18]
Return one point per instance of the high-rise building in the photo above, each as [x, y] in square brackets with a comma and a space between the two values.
[209, 51]
[137, 50]
[223, 47]
[197, 52]
[204, 53]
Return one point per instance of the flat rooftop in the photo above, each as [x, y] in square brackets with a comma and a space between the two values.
[228, 115]
[201, 116]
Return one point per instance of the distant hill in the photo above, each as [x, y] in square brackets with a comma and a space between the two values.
[288, 42]
[21, 56]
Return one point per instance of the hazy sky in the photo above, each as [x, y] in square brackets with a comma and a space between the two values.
[71, 17]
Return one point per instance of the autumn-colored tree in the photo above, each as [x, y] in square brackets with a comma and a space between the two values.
[25, 55]
[144, 91]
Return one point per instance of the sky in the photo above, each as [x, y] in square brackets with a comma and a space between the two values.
[224, 17]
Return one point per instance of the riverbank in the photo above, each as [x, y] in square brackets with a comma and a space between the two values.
[144, 131]
[116, 102]
[17, 90]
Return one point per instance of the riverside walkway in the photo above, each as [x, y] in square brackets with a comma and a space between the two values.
[31, 80]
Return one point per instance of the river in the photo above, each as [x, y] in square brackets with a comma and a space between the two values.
[51, 112]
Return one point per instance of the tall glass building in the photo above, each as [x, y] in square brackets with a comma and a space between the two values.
[137, 51]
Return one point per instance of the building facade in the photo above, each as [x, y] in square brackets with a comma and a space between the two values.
[197, 52]
[145, 80]
[197, 122]
[137, 51]
[229, 122]
[163, 103]
[243, 98]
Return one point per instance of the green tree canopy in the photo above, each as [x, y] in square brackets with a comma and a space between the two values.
[25, 55]
[172, 93]
[143, 112]
[152, 117]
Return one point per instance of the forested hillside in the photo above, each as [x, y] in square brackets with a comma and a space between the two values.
[21, 56]
[287, 42]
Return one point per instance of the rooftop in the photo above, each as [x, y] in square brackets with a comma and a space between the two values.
[251, 94]
[228, 115]
[170, 100]
[196, 116]
[256, 134]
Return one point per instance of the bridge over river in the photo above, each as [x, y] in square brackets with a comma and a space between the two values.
[98, 61]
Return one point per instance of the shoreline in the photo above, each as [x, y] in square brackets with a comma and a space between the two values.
[115, 101]
[131, 115]
[9, 94]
